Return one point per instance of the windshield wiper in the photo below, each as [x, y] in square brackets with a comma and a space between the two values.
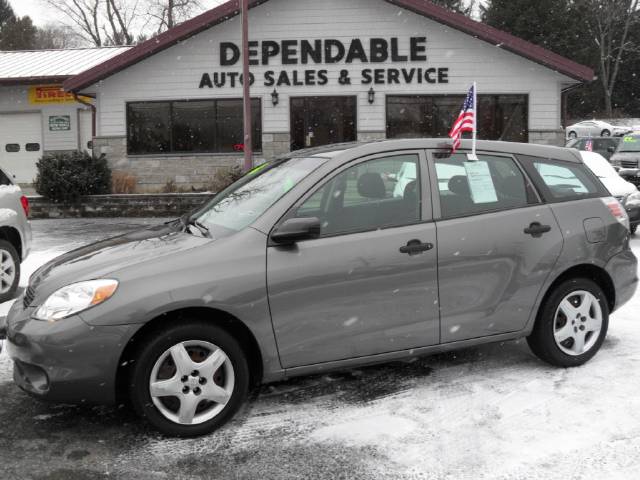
[188, 221]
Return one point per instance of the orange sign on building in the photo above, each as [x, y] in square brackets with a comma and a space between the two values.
[51, 94]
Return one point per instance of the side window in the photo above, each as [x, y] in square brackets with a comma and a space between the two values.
[490, 184]
[379, 193]
[565, 181]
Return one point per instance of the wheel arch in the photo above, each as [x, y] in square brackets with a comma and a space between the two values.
[12, 235]
[227, 321]
[592, 272]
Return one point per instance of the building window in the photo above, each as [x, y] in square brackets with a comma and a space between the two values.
[500, 117]
[197, 126]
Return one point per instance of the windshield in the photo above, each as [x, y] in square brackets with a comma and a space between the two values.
[599, 166]
[630, 143]
[244, 201]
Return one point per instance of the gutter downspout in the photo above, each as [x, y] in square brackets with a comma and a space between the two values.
[77, 98]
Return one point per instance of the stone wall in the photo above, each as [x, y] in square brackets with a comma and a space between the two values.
[155, 173]
[275, 144]
[547, 137]
[108, 206]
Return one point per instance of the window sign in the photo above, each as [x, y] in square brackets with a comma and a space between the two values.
[480, 182]
[59, 123]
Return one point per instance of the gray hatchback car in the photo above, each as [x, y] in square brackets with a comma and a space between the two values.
[329, 259]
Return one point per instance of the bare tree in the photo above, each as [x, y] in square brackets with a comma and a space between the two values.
[102, 22]
[609, 23]
[55, 36]
[168, 13]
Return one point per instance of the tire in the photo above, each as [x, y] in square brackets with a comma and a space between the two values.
[573, 135]
[633, 229]
[155, 361]
[9, 271]
[605, 133]
[551, 320]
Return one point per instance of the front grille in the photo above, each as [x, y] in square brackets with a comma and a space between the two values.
[29, 294]
[629, 163]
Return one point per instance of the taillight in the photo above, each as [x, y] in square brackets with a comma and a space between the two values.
[25, 205]
[617, 210]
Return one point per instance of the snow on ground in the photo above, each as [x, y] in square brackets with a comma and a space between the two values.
[491, 412]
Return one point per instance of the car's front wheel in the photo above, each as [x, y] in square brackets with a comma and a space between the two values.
[9, 271]
[188, 380]
[573, 135]
[571, 324]
[605, 133]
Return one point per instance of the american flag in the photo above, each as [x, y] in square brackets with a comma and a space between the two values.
[465, 121]
[589, 146]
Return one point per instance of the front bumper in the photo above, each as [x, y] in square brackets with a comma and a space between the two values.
[67, 361]
[623, 270]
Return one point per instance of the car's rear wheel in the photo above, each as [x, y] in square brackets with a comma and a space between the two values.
[9, 271]
[605, 133]
[188, 380]
[573, 135]
[571, 324]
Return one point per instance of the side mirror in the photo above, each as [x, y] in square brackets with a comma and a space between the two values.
[295, 230]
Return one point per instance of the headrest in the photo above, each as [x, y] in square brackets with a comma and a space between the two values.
[371, 185]
[460, 185]
[410, 191]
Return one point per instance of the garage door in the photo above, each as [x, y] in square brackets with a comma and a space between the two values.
[20, 144]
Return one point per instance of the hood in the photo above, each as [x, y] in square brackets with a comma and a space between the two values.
[107, 256]
[626, 156]
[618, 186]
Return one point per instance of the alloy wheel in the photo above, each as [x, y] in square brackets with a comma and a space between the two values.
[577, 323]
[192, 382]
[7, 271]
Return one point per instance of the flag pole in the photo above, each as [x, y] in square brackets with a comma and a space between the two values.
[246, 92]
[475, 118]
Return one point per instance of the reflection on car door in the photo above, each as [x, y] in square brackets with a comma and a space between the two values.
[352, 292]
[490, 270]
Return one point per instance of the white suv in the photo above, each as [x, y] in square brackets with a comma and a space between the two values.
[15, 235]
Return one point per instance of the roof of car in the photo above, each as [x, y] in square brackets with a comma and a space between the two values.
[358, 149]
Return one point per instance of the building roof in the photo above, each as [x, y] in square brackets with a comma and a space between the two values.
[35, 66]
[422, 7]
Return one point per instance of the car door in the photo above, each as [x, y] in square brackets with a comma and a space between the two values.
[497, 244]
[368, 285]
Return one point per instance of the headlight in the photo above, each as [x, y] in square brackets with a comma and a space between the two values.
[633, 200]
[75, 298]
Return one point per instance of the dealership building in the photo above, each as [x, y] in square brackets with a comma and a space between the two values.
[170, 109]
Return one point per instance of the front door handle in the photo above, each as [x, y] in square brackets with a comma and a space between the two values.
[414, 247]
[536, 230]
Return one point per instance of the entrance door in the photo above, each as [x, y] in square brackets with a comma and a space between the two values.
[317, 121]
[20, 144]
[368, 285]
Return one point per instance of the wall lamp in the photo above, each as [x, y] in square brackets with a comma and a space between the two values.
[275, 98]
[372, 96]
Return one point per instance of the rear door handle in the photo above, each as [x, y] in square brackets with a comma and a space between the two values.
[414, 247]
[536, 230]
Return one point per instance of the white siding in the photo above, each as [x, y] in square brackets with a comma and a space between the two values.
[175, 73]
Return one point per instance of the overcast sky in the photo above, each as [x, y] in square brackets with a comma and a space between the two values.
[41, 14]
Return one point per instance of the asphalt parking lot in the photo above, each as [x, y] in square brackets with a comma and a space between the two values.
[488, 412]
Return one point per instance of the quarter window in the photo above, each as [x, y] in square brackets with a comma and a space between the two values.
[376, 194]
[198, 126]
[490, 184]
[564, 181]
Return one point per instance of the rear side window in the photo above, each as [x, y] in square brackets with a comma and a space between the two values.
[564, 181]
[490, 184]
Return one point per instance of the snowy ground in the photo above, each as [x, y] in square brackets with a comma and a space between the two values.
[489, 412]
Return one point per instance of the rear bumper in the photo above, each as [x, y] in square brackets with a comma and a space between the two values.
[623, 270]
[67, 361]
